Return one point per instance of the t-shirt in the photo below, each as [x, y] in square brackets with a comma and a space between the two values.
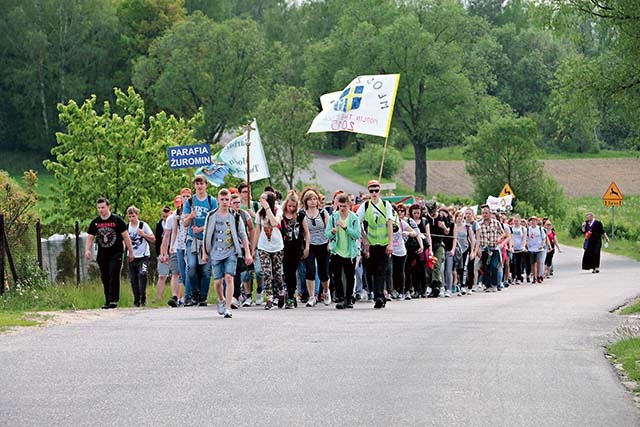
[292, 231]
[108, 235]
[139, 243]
[316, 228]
[270, 239]
[399, 249]
[517, 234]
[535, 239]
[201, 208]
[223, 246]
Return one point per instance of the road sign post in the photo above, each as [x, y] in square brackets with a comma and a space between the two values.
[612, 197]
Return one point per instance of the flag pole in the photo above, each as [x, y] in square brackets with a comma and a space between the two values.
[248, 129]
[384, 150]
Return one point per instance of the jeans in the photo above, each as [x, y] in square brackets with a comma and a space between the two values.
[448, 271]
[490, 277]
[182, 266]
[198, 276]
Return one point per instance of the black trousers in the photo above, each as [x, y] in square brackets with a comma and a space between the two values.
[138, 270]
[290, 263]
[110, 268]
[378, 262]
[340, 265]
[398, 273]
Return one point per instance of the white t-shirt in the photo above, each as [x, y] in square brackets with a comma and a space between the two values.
[270, 239]
[139, 243]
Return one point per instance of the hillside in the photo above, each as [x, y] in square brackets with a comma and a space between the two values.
[579, 177]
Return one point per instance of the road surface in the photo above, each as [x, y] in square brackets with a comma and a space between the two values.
[527, 356]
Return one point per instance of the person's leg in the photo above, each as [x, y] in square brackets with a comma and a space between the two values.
[322, 257]
[379, 260]
[448, 272]
[276, 265]
[494, 265]
[205, 281]
[103, 265]
[191, 285]
[267, 273]
[142, 281]
[134, 278]
[115, 267]
[336, 272]
[310, 273]
[290, 267]
[398, 272]
[349, 273]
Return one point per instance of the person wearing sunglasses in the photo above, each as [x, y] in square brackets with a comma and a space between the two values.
[376, 217]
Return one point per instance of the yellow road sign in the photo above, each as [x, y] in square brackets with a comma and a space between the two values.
[613, 195]
[506, 190]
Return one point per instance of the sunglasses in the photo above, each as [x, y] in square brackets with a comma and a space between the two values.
[374, 190]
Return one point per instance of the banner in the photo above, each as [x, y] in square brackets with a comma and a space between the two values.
[214, 173]
[364, 106]
[500, 203]
[234, 155]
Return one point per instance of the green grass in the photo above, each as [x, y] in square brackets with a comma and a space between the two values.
[346, 169]
[631, 309]
[11, 319]
[16, 162]
[627, 352]
[456, 153]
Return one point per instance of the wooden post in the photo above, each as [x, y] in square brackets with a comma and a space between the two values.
[2, 278]
[248, 128]
[384, 150]
[77, 254]
[12, 266]
[39, 242]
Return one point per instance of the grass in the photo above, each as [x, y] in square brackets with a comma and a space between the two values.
[11, 319]
[456, 153]
[346, 169]
[631, 309]
[627, 353]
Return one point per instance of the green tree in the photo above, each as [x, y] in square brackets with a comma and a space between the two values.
[113, 154]
[201, 64]
[284, 120]
[504, 152]
[17, 204]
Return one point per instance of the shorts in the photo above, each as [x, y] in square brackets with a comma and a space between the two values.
[536, 257]
[163, 269]
[224, 266]
[173, 263]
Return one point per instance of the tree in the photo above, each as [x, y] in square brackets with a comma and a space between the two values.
[113, 154]
[199, 63]
[284, 119]
[17, 204]
[504, 152]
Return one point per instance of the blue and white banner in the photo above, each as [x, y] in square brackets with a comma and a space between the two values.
[234, 155]
[189, 156]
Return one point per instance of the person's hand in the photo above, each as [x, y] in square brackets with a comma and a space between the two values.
[264, 203]
[342, 224]
[305, 253]
[389, 249]
[131, 257]
[248, 259]
[334, 230]
[452, 252]
[419, 251]
[205, 257]
[87, 255]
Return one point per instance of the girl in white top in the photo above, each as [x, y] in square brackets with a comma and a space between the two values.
[140, 234]
[519, 239]
[269, 243]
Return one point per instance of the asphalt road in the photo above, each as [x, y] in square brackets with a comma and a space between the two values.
[331, 180]
[528, 356]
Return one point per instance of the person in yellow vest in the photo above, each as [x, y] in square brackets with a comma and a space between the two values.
[376, 217]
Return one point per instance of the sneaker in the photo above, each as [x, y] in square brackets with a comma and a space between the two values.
[190, 303]
[311, 302]
[268, 305]
[113, 305]
[379, 303]
[387, 296]
[281, 299]
[341, 305]
[370, 296]
[401, 297]
[220, 307]
[105, 306]
[259, 298]
[202, 304]
[227, 314]
[364, 295]
[248, 302]
[290, 303]
[348, 305]
[395, 294]
[447, 294]
[327, 298]
[180, 302]
[173, 302]
[463, 291]
[408, 296]
[235, 304]
[442, 291]
[487, 289]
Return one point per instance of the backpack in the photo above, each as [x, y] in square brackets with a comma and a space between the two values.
[190, 202]
[323, 214]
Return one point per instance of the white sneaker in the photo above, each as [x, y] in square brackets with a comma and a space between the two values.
[311, 302]
[259, 299]
[407, 296]
[363, 295]
[234, 303]
[247, 302]
[221, 307]
[442, 292]
[401, 297]
[327, 298]
[447, 294]
[227, 314]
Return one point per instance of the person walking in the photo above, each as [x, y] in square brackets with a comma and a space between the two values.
[141, 235]
[343, 232]
[488, 234]
[593, 233]
[376, 217]
[296, 244]
[110, 232]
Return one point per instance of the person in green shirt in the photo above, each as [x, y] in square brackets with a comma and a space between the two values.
[343, 232]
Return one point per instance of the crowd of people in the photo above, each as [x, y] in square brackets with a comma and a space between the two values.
[301, 248]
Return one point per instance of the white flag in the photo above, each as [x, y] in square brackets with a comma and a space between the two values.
[500, 203]
[364, 106]
[234, 154]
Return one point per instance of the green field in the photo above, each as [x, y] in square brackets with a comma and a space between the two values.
[456, 153]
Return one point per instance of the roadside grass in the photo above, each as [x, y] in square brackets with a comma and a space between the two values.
[627, 353]
[10, 319]
[632, 308]
[456, 153]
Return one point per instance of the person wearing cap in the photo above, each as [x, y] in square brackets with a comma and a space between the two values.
[376, 217]
[174, 246]
[198, 270]
[141, 235]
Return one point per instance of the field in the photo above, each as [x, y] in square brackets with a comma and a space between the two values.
[578, 177]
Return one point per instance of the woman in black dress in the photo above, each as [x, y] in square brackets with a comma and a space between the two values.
[593, 232]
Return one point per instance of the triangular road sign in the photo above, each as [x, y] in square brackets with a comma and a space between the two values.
[506, 190]
[613, 193]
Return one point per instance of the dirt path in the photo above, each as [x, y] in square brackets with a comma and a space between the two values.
[579, 178]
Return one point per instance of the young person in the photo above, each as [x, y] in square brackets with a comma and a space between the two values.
[343, 232]
[162, 266]
[141, 235]
[224, 239]
[296, 244]
[318, 260]
[175, 240]
[488, 234]
[110, 232]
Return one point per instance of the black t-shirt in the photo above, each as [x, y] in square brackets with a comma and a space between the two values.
[292, 232]
[108, 235]
[436, 230]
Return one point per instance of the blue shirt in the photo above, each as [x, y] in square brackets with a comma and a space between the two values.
[201, 207]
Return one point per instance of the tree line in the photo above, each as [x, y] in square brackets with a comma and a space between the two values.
[568, 69]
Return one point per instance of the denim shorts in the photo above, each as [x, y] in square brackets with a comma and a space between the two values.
[163, 269]
[224, 266]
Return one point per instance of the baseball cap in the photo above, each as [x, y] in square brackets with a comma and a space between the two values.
[373, 183]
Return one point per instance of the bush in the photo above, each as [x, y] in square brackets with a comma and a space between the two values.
[368, 161]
